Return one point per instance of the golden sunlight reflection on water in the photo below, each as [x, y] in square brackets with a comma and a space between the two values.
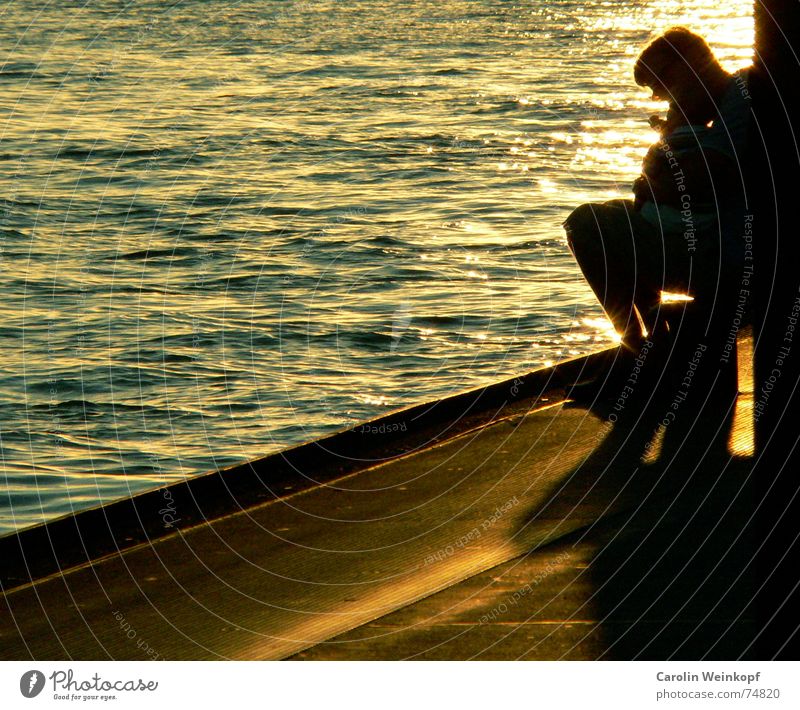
[231, 233]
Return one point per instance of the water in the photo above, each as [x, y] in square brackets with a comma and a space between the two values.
[229, 227]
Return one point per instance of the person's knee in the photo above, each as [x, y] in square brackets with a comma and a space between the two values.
[581, 226]
[584, 214]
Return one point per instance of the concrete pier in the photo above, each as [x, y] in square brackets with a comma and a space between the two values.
[530, 528]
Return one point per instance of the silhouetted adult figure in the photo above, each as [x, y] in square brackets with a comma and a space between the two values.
[676, 235]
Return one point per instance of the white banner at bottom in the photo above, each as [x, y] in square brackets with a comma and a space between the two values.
[413, 685]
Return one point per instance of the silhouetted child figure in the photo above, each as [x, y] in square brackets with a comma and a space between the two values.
[662, 194]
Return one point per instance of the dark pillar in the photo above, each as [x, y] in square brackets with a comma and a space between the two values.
[774, 193]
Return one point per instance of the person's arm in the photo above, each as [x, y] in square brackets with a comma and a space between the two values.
[705, 174]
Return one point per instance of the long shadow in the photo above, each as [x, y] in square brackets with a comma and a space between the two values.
[677, 580]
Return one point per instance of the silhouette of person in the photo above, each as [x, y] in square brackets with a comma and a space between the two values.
[678, 228]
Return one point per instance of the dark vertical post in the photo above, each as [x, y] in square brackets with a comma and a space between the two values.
[774, 186]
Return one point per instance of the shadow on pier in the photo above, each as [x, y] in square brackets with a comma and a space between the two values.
[657, 560]
[540, 530]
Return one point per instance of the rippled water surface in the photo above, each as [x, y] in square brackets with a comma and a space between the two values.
[228, 227]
